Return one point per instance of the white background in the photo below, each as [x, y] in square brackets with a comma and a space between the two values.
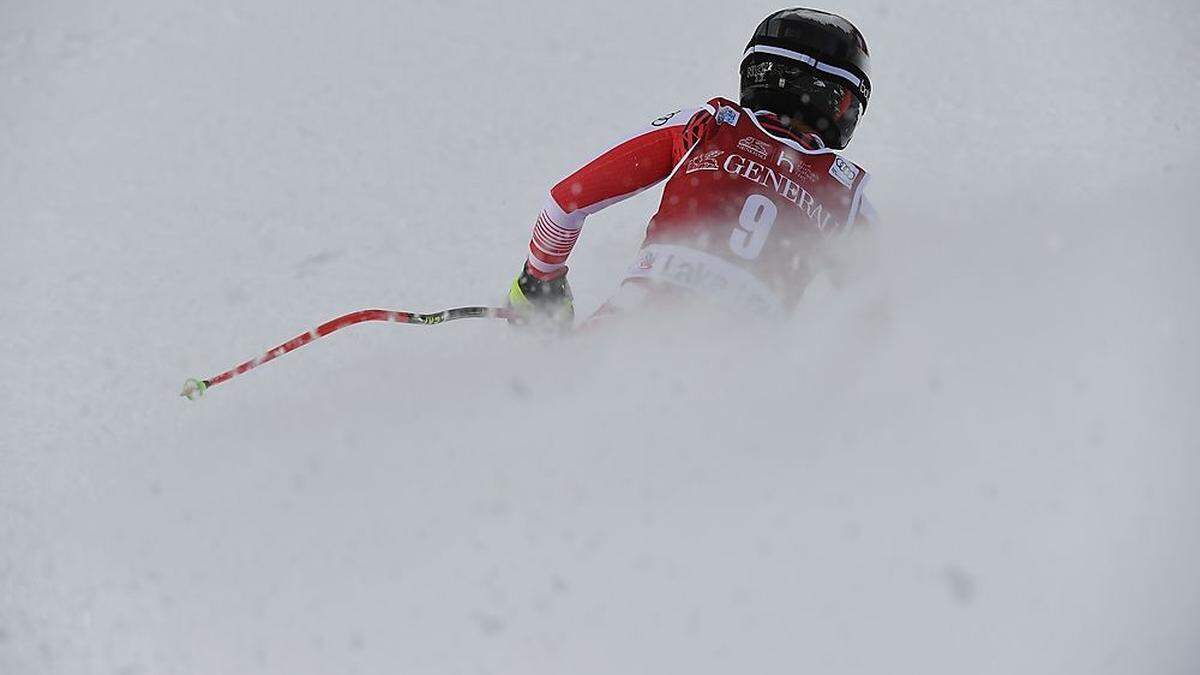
[981, 458]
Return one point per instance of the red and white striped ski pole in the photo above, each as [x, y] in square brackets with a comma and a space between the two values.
[195, 388]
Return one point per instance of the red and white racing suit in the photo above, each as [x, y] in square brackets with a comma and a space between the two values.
[746, 212]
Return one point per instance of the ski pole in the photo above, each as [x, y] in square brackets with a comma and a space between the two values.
[194, 388]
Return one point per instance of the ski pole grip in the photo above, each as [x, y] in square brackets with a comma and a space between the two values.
[193, 389]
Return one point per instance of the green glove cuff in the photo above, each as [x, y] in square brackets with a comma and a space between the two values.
[516, 297]
[541, 301]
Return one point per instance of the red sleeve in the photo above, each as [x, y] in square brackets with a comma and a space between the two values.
[638, 162]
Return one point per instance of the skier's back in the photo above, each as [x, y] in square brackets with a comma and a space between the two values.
[755, 190]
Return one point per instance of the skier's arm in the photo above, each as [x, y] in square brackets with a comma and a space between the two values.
[636, 163]
[867, 217]
[846, 258]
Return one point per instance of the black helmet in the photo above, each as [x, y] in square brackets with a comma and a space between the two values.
[812, 66]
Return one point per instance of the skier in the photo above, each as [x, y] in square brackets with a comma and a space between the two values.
[755, 191]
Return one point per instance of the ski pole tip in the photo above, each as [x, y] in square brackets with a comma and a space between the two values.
[193, 389]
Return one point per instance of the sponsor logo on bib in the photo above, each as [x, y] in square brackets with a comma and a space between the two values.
[784, 186]
[704, 162]
[843, 171]
[708, 275]
[727, 115]
[755, 146]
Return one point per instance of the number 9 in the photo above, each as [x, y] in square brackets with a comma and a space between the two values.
[754, 225]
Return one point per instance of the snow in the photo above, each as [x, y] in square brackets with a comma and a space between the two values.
[980, 458]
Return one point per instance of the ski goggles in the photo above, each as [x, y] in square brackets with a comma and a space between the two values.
[830, 105]
[859, 84]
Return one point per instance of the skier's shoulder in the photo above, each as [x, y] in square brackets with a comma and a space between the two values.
[677, 117]
[716, 103]
[856, 179]
[849, 169]
[692, 115]
[868, 217]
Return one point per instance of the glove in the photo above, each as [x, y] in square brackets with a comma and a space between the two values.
[543, 303]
